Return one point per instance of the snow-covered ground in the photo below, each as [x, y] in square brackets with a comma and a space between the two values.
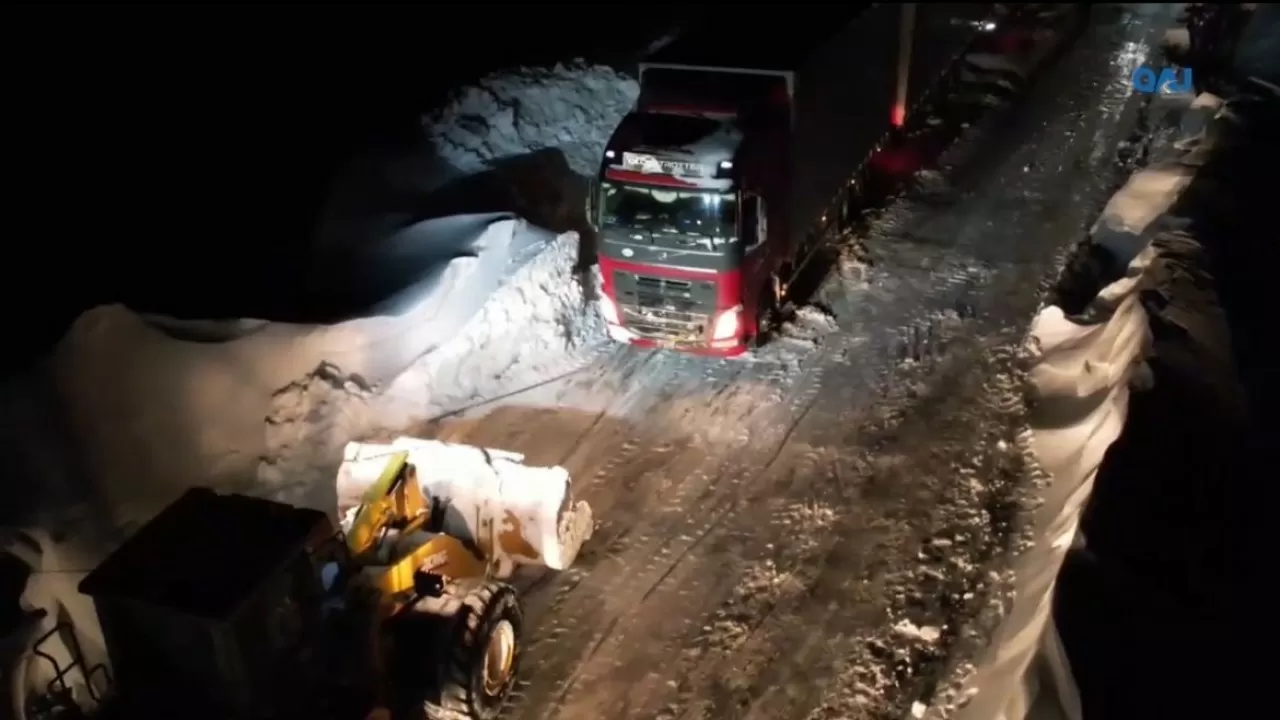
[822, 476]
[855, 495]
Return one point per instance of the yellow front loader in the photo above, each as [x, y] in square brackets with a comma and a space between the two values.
[227, 607]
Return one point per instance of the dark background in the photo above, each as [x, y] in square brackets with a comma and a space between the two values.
[176, 158]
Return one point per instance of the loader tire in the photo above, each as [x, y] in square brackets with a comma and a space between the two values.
[481, 668]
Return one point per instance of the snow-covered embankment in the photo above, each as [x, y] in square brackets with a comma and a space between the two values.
[157, 405]
[1086, 353]
[152, 409]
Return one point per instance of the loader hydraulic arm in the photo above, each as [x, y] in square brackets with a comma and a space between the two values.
[395, 500]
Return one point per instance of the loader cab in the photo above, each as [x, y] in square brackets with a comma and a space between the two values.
[214, 609]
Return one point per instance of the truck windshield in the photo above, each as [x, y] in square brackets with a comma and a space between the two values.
[710, 215]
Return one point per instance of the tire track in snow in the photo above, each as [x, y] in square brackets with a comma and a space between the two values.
[639, 553]
[844, 589]
[656, 380]
[734, 687]
[672, 530]
[667, 599]
[769, 543]
[676, 531]
[626, 688]
[620, 380]
[673, 609]
[592, 461]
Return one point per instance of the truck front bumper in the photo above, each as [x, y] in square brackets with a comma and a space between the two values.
[706, 348]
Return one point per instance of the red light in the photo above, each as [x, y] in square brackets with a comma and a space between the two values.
[899, 116]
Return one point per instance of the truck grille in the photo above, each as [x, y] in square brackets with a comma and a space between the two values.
[664, 308]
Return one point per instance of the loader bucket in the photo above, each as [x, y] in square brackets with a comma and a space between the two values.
[526, 514]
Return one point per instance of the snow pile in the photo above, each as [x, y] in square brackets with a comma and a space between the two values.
[528, 138]
[159, 404]
[271, 409]
[808, 325]
[571, 108]
[541, 325]
[1083, 363]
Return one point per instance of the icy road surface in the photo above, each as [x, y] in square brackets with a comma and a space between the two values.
[763, 523]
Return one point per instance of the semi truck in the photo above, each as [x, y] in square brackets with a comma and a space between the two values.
[743, 153]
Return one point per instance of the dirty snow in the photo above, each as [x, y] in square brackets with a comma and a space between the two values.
[571, 108]
[807, 325]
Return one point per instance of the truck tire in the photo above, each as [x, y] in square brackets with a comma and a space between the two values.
[768, 314]
[481, 669]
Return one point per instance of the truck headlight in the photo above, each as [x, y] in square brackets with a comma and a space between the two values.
[728, 324]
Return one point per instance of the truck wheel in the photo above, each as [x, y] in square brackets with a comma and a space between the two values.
[481, 670]
[782, 283]
[767, 314]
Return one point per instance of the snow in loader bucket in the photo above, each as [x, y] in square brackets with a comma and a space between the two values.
[525, 513]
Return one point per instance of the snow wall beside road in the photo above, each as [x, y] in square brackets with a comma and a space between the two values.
[159, 404]
[155, 405]
[1085, 356]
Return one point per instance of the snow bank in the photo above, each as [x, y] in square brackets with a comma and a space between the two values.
[540, 325]
[572, 108]
[154, 413]
[159, 404]
[1082, 368]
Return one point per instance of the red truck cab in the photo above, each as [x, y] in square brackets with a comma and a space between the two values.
[682, 208]
[744, 151]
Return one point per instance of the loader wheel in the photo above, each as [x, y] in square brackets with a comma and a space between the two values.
[481, 670]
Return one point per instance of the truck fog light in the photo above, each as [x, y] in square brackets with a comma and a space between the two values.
[728, 324]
